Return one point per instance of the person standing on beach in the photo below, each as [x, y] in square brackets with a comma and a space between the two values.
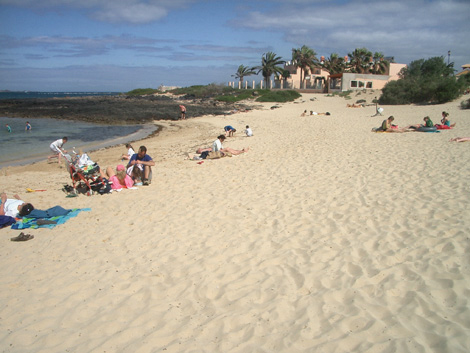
[28, 126]
[57, 148]
[8, 128]
[183, 112]
[144, 162]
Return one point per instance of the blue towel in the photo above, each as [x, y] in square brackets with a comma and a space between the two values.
[60, 219]
[50, 212]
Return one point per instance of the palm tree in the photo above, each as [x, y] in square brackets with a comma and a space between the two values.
[244, 71]
[304, 58]
[380, 65]
[360, 60]
[270, 65]
[334, 64]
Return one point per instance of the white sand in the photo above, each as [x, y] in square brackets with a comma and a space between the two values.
[324, 237]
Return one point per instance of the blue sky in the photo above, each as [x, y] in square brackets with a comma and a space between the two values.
[119, 45]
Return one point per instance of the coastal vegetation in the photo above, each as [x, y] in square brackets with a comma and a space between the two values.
[423, 82]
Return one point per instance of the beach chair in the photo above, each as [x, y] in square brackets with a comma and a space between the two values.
[85, 177]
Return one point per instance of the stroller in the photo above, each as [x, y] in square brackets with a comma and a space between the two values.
[85, 174]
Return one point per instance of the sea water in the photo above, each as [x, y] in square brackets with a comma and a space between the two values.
[23, 147]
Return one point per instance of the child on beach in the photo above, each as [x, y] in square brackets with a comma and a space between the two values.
[27, 127]
[248, 131]
[8, 128]
[130, 152]
[229, 130]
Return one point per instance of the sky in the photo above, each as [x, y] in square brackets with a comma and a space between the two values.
[120, 45]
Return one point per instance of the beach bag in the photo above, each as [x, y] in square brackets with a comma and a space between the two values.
[214, 155]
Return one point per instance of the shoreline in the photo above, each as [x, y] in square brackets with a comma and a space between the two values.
[146, 131]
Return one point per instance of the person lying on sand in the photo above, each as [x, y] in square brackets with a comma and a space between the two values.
[315, 113]
[460, 139]
[14, 207]
[354, 105]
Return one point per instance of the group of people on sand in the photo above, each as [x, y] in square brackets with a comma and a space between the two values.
[137, 172]
[388, 126]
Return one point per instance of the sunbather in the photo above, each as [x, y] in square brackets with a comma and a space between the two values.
[460, 139]
[119, 178]
[14, 207]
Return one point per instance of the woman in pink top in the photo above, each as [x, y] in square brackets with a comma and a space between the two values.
[119, 179]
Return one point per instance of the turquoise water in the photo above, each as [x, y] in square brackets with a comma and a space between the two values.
[23, 147]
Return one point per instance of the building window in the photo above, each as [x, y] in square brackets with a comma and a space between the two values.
[369, 84]
[361, 84]
[353, 84]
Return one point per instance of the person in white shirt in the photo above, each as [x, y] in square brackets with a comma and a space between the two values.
[14, 207]
[57, 148]
[130, 152]
[248, 131]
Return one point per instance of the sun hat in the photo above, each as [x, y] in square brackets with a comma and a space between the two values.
[120, 167]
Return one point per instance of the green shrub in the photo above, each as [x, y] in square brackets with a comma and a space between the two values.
[142, 91]
[423, 81]
[465, 104]
[278, 96]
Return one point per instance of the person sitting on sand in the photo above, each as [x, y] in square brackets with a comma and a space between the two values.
[304, 113]
[445, 123]
[389, 127]
[217, 147]
[315, 113]
[229, 130]
[130, 152]
[119, 179]
[144, 162]
[14, 207]
[460, 139]
[248, 131]
[57, 148]
[427, 123]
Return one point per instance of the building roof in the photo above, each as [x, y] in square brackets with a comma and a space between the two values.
[466, 66]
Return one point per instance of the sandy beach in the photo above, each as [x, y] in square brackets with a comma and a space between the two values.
[324, 237]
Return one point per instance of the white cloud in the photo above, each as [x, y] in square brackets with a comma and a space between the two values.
[405, 29]
[115, 11]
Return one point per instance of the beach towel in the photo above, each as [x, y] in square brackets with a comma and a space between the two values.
[51, 222]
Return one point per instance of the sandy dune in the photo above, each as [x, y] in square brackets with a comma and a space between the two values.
[324, 237]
